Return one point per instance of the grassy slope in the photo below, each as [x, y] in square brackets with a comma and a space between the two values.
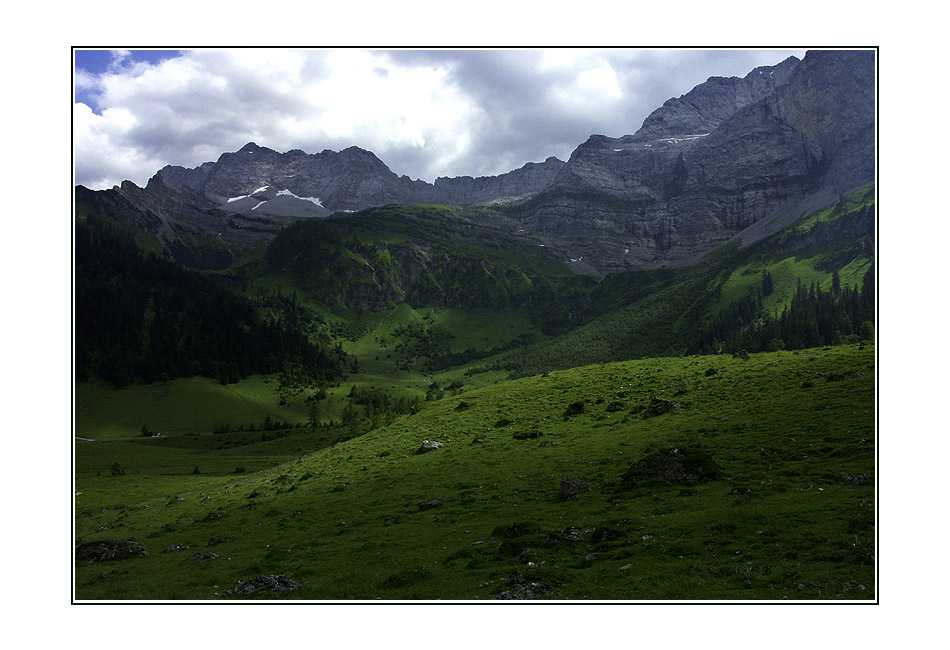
[780, 522]
[188, 405]
[808, 266]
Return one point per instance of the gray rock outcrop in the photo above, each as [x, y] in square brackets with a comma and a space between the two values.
[109, 549]
[571, 487]
[429, 445]
[279, 584]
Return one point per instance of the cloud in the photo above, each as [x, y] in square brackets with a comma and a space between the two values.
[425, 113]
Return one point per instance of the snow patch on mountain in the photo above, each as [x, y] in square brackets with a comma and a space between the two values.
[313, 199]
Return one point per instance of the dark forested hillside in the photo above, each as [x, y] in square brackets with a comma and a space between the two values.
[142, 317]
[422, 255]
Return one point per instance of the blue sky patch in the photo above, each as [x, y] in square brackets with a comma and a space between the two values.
[97, 62]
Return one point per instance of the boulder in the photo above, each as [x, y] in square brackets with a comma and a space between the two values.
[529, 591]
[431, 503]
[673, 465]
[527, 435]
[857, 479]
[659, 406]
[429, 445]
[575, 408]
[571, 487]
[175, 547]
[109, 550]
[573, 534]
[278, 584]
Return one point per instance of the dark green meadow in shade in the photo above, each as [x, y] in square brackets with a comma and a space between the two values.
[786, 509]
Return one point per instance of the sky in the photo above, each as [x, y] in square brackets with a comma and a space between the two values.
[425, 113]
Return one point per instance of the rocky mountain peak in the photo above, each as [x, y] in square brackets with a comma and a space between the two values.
[702, 169]
[707, 105]
[712, 163]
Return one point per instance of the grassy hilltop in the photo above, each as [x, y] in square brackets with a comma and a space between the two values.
[757, 484]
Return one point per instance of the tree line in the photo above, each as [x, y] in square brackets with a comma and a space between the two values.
[814, 317]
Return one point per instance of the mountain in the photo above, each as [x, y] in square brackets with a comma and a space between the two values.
[781, 142]
[349, 180]
[732, 158]
[205, 215]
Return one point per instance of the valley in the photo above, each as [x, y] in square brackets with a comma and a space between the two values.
[339, 490]
[647, 373]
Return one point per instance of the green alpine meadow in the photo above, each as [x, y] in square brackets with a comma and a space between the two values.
[756, 482]
[644, 374]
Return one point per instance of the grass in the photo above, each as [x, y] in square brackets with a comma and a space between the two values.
[790, 513]
[189, 405]
[786, 274]
[856, 201]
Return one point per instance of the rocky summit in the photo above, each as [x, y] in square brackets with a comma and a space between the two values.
[734, 159]
[254, 178]
[705, 167]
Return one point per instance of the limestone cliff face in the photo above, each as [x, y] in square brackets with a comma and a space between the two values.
[710, 164]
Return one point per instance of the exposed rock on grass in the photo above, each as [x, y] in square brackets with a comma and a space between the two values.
[527, 435]
[673, 465]
[659, 406]
[571, 487]
[278, 584]
[429, 445]
[431, 503]
[522, 590]
[573, 534]
[174, 547]
[515, 530]
[575, 408]
[109, 550]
